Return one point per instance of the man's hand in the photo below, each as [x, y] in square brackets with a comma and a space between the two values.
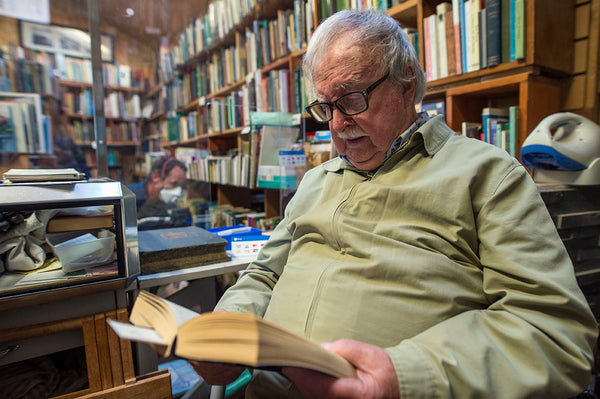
[375, 374]
[217, 373]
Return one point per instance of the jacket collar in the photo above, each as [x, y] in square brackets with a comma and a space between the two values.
[433, 135]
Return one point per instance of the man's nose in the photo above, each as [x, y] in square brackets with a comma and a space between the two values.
[339, 120]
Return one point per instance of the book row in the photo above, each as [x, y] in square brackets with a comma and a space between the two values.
[82, 131]
[498, 126]
[23, 128]
[469, 35]
[30, 71]
[269, 93]
[116, 104]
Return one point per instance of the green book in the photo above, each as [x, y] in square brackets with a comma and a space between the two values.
[513, 132]
[519, 29]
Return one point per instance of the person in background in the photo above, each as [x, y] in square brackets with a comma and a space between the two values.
[69, 155]
[159, 191]
[426, 259]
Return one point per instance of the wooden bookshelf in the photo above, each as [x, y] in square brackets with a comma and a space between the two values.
[534, 83]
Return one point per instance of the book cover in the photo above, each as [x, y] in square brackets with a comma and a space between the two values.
[234, 338]
[178, 248]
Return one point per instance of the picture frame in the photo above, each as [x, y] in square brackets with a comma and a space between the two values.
[63, 40]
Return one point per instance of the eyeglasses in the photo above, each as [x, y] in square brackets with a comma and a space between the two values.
[349, 104]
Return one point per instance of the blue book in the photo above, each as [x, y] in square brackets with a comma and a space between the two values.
[494, 36]
[505, 28]
[513, 48]
[489, 114]
[183, 375]
[463, 36]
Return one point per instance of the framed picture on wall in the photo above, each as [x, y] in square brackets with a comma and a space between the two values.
[63, 40]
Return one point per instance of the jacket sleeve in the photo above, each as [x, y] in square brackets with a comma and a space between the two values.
[536, 337]
[252, 292]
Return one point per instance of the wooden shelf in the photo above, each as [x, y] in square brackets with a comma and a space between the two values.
[86, 85]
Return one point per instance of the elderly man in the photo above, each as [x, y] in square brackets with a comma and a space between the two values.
[426, 259]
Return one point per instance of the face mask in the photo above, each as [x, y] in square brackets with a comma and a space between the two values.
[170, 195]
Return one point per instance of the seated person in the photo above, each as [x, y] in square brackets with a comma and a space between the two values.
[159, 191]
[426, 259]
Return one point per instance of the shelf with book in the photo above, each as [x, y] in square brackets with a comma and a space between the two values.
[508, 63]
[517, 34]
[536, 97]
[228, 70]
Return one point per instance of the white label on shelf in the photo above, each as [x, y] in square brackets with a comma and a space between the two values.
[296, 119]
[202, 101]
[245, 130]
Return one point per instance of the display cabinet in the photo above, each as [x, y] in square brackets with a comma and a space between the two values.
[53, 333]
[52, 217]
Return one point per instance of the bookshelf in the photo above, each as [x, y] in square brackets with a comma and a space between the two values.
[533, 82]
[210, 79]
[123, 118]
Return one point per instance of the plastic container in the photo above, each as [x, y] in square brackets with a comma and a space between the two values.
[229, 232]
[78, 251]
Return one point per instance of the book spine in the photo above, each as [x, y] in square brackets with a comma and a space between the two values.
[519, 29]
[463, 35]
[513, 133]
[482, 19]
[456, 19]
[451, 51]
[435, 67]
[428, 61]
[494, 37]
[441, 10]
[512, 48]
[474, 8]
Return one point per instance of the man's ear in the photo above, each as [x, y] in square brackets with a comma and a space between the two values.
[155, 177]
[409, 87]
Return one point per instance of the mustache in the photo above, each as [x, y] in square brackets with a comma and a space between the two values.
[350, 133]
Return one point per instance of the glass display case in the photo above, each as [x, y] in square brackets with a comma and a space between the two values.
[57, 237]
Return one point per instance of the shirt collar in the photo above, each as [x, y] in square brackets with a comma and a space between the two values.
[404, 137]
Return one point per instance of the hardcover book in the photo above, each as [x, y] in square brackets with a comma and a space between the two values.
[234, 338]
[179, 248]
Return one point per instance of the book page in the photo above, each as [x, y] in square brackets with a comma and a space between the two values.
[135, 333]
[181, 313]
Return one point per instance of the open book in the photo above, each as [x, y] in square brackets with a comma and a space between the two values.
[236, 338]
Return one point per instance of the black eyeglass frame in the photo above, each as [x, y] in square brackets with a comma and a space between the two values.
[365, 93]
